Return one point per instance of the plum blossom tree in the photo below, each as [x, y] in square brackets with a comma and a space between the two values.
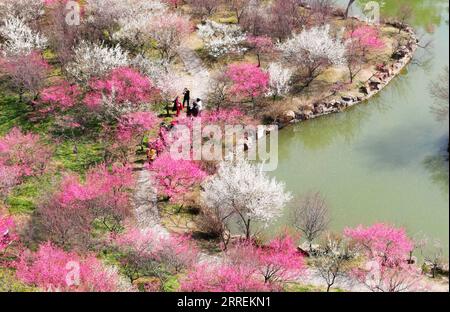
[242, 191]
[222, 278]
[276, 263]
[261, 45]
[387, 250]
[53, 269]
[24, 152]
[249, 81]
[9, 177]
[61, 96]
[93, 60]
[280, 80]
[27, 73]
[361, 41]
[68, 216]
[168, 31]
[176, 177]
[285, 17]
[381, 242]
[151, 253]
[221, 39]
[247, 267]
[312, 50]
[19, 38]
[204, 7]
[26, 10]
[124, 90]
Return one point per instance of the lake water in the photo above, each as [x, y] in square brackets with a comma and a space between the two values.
[384, 160]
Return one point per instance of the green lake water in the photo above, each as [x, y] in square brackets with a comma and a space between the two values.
[384, 160]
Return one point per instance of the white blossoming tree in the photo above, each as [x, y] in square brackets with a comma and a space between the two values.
[19, 38]
[26, 10]
[280, 79]
[241, 191]
[221, 39]
[313, 50]
[94, 60]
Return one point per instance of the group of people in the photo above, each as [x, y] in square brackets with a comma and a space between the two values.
[193, 109]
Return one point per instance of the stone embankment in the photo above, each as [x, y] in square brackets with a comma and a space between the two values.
[380, 79]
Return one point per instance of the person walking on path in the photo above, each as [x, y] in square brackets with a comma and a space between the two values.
[186, 97]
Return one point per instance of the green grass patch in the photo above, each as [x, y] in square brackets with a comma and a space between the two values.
[88, 154]
[23, 199]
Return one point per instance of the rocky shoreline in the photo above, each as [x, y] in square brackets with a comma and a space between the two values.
[381, 78]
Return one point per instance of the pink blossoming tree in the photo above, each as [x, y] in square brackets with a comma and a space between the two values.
[24, 152]
[176, 177]
[261, 45]
[248, 81]
[53, 269]
[124, 90]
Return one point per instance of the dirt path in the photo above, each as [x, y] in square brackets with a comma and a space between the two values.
[199, 78]
[145, 204]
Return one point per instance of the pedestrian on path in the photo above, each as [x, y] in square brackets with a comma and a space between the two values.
[177, 106]
[186, 97]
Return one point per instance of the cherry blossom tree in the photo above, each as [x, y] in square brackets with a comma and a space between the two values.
[313, 50]
[249, 81]
[176, 177]
[221, 39]
[93, 61]
[261, 45]
[53, 269]
[25, 153]
[19, 38]
[242, 191]
[123, 90]
[280, 80]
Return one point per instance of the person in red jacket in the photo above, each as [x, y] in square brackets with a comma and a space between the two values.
[178, 105]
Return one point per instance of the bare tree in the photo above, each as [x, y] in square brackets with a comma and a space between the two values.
[204, 7]
[322, 9]
[218, 90]
[404, 15]
[435, 258]
[310, 216]
[239, 7]
[332, 263]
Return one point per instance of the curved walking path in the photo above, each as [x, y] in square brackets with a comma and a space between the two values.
[199, 75]
[145, 204]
